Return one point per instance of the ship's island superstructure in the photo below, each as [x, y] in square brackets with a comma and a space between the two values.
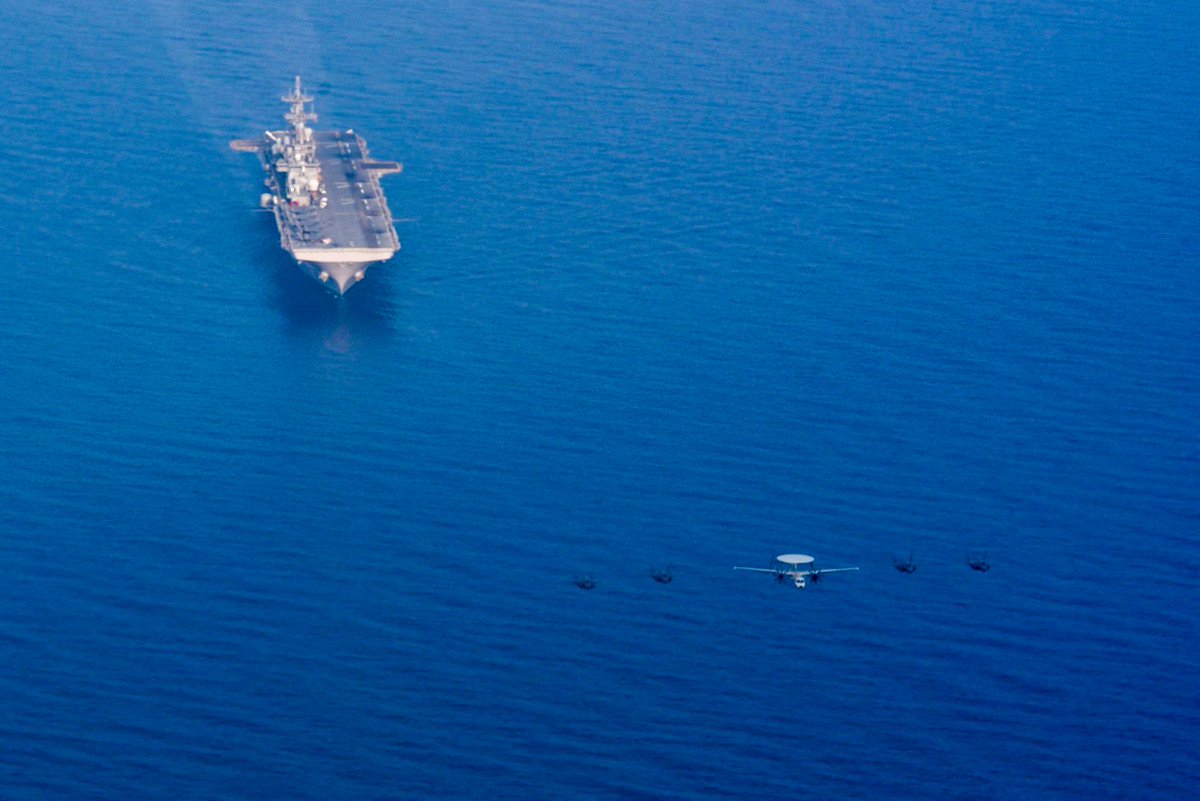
[324, 191]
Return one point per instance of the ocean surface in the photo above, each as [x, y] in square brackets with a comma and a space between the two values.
[685, 285]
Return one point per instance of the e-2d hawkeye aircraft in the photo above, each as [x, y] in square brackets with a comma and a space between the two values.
[796, 561]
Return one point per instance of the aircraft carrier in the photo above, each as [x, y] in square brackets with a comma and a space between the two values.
[324, 191]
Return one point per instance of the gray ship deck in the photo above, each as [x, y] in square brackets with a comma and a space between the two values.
[355, 225]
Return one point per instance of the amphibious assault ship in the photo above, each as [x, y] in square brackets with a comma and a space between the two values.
[324, 191]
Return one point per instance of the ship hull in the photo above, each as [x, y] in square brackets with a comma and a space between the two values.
[336, 277]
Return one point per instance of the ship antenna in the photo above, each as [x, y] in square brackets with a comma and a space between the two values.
[298, 115]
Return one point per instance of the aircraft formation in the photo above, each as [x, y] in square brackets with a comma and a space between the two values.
[799, 568]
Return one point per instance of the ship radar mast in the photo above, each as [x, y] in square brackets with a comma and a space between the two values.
[298, 115]
[299, 151]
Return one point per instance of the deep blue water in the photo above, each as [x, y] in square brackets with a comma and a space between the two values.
[684, 284]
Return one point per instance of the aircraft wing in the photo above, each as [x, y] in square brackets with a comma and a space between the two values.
[759, 569]
[831, 570]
